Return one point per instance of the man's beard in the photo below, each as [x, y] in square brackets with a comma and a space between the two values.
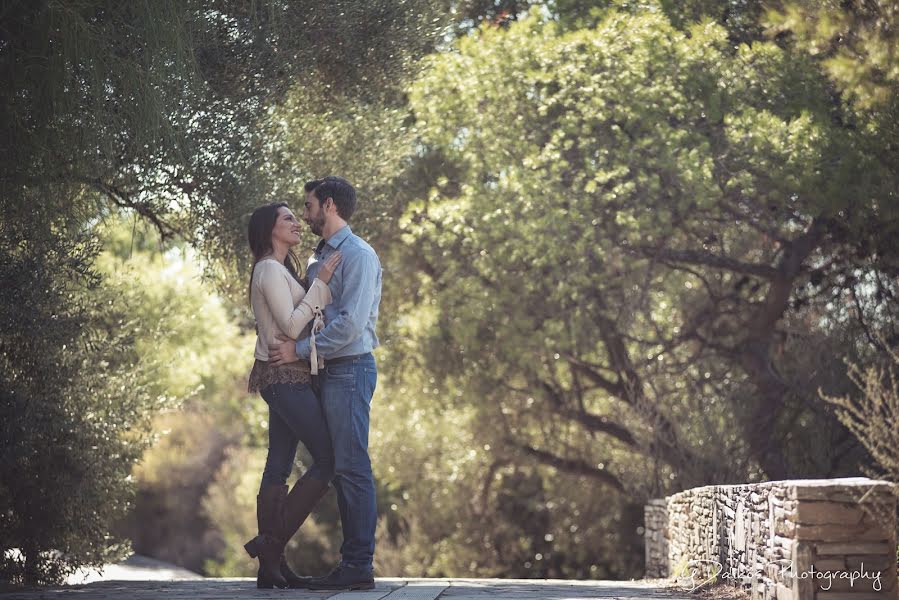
[317, 226]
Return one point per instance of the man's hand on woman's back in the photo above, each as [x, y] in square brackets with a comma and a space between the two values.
[283, 352]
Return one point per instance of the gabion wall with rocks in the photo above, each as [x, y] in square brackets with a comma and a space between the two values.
[802, 539]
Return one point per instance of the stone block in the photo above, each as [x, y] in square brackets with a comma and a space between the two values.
[839, 581]
[881, 548]
[854, 596]
[803, 588]
[819, 513]
[783, 562]
[783, 542]
[758, 592]
[783, 592]
[841, 533]
[740, 529]
[785, 527]
[891, 582]
[830, 564]
[876, 563]
[837, 492]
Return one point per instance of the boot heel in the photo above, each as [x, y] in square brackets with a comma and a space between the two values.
[252, 547]
[263, 584]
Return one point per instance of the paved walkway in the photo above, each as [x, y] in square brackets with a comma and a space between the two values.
[387, 588]
[134, 568]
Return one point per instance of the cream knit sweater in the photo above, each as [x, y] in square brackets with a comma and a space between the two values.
[281, 305]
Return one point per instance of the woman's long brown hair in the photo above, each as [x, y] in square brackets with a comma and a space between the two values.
[259, 236]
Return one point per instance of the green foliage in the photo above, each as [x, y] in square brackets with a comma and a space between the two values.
[158, 108]
[610, 232]
[367, 139]
[75, 404]
[459, 504]
[201, 357]
[873, 414]
[230, 503]
[204, 348]
[856, 43]
[546, 155]
[604, 193]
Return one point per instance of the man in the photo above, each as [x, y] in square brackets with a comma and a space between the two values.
[349, 376]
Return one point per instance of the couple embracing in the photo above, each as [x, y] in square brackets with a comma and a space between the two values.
[315, 370]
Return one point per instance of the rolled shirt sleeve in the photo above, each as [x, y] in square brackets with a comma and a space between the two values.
[360, 278]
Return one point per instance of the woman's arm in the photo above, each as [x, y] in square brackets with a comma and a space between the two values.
[276, 290]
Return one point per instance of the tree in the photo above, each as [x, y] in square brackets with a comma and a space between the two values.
[872, 416]
[74, 405]
[669, 197]
[855, 43]
[157, 108]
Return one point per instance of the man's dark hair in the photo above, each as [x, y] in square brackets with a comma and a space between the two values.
[311, 185]
[341, 191]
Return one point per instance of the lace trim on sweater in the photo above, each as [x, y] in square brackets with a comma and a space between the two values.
[263, 374]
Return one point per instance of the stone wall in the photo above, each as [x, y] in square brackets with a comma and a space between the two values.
[804, 539]
[655, 532]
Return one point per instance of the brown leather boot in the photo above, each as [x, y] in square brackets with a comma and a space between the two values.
[269, 545]
[303, 497]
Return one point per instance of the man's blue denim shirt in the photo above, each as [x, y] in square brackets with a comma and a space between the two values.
[351, 316]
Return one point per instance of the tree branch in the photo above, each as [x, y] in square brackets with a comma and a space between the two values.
[695, 257]
[574, 466]
[123, 200]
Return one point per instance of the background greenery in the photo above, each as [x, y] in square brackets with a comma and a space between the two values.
[629, 247]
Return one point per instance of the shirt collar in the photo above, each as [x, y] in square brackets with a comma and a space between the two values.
[339, 236]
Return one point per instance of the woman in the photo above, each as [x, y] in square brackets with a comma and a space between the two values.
[282, 304]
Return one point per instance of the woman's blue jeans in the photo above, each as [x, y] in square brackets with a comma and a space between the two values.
[295, 415]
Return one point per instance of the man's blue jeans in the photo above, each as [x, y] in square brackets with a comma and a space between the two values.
[346, 391]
